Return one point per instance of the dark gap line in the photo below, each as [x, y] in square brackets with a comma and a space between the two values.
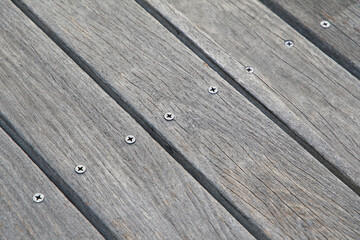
[249, 96]
[55, 178]
[201, 178]
[170, 148]
[311, 36]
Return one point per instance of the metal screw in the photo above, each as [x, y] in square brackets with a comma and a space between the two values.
[38, 197]
[130, 139]
[80, 169]
[325, 24]
[249, 69]
[169, 116]
[289, 43]
[213, 90]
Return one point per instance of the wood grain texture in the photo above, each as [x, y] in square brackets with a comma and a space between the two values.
[343, 37]
[21, 217]
[138, 190]
[308, 91]
[265, 174]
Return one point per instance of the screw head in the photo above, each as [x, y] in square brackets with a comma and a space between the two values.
[213, 90]
[130, 139]
[325, 24]
[289, 43]
[38, 197]
[249, 69]
[80, 169]
[169, 116]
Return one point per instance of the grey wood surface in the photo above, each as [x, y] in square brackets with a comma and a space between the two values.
[268, 178]
[138, 191]
[306, 89]
[22, 218]
[342, 37]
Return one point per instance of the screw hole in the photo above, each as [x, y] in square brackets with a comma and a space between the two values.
[130, 139]
[289, 43]
[213, 90]
[80, 169]
[169, 116]
[325, 24]
[249, 69]
[38, 197]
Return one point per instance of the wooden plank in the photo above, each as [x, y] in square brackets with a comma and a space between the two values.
[263, 173]
[307, 90]
[137, 190]
[341, 40]
[22, 218]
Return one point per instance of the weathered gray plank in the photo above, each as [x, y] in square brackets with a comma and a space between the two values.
[138, 190]
[341, 40]
[21, 217]
[265, 174]
[306, 89]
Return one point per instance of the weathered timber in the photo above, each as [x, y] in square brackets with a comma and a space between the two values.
[260, 170]
[22, 218]
[62, 118]
[313, 95]
[341, 40]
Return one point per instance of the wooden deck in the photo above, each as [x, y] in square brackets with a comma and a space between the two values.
[263, 139]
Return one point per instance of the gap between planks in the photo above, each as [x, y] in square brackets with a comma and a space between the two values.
[144, 123]
[212, 63]
[230, 54]
[310, 35]
[52, 174]
[250, 97]
[21, 217]
[227, 76]
[200, 177]
[159, 197]
[175, 153]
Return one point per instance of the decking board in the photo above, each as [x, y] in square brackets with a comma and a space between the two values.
[317, 98]
[265, 174]
[21, 218]
[137, 191]
[341, 40]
